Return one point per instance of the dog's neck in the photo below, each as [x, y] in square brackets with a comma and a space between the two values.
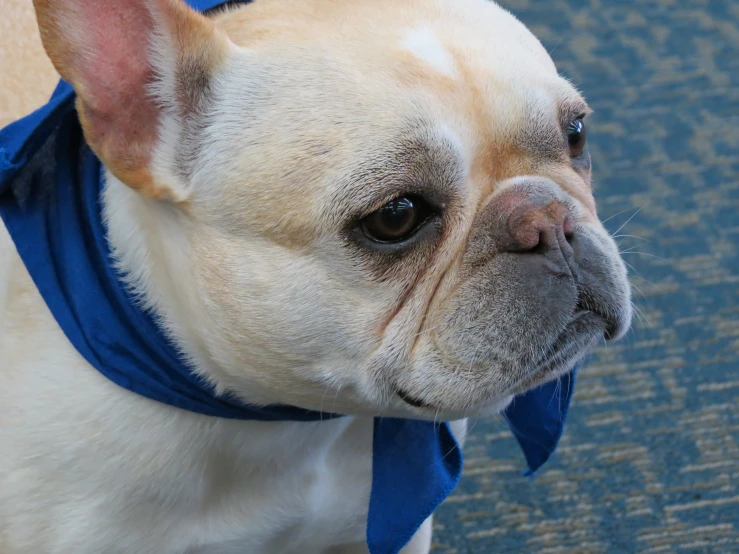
[148, 239]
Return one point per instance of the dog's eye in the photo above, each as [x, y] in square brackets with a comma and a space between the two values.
[576, 137]
[397, 220]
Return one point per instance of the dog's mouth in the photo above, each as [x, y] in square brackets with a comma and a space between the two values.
[412, 400]
[578, 337]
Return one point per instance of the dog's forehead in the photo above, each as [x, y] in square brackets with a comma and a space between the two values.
[434, 31]
[467, 70]
[468, 50]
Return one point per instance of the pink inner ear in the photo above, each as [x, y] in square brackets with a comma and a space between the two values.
[115, 69]
[103, 47]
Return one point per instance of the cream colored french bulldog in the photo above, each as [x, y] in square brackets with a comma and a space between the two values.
[363, 207]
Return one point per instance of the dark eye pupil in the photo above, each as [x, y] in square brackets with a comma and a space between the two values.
[398, 214]
[575, 132]
[576, 137]
[392, 222]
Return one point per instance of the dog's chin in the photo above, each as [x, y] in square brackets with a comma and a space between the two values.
[584, 331]
[579, 337]
[419, 409]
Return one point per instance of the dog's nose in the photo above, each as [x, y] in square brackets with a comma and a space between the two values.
[539, 228]
[535, 221]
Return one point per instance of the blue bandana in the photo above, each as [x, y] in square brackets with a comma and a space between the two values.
[50, 202]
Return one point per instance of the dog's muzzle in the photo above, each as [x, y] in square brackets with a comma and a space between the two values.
[538, 288]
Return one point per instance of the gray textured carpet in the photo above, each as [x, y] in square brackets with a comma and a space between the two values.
[650, 458]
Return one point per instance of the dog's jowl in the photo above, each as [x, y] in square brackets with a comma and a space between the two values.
[260, 260]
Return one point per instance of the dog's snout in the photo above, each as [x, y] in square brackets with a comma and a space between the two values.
[539, 229]
[534, 220]
[533, 217]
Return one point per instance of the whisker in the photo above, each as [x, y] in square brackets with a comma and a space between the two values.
[637, 275]
[556, 46]
[474, 424]
[333, 404]
[641, 314]
[501, 419]
[557, 387]
[645, 254]
[631, 236]
[328, 387]
[627, 221]
[637, 314]
[617, 214]
[636, 271]
[638, 290]
[624, 237]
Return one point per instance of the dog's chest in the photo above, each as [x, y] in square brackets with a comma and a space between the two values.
[305, 498]
[122, 474]
[255, 491]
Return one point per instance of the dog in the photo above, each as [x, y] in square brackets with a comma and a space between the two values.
[366, 207]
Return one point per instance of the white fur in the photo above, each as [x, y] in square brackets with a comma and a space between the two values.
[425, 45]
[197, 484]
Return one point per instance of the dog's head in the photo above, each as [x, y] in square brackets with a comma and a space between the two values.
[356, 206]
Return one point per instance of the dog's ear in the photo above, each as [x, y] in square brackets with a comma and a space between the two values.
[139, 67]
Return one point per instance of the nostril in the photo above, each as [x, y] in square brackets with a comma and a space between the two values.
[541, 244]
[569, 230]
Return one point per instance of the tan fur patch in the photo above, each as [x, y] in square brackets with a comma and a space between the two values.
[26, 74]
